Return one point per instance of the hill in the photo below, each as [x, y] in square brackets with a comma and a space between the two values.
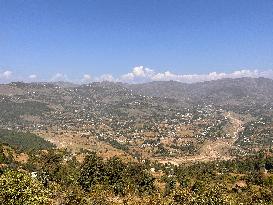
[158, 142]
[153, 120]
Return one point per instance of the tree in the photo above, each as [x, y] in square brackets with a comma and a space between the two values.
[91, 172]
[18, 188]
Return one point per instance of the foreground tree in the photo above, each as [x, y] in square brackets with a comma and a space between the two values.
[18, 188]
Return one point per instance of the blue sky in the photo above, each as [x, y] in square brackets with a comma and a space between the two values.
[83, 40]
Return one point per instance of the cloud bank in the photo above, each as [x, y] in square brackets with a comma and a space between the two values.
[140, 74]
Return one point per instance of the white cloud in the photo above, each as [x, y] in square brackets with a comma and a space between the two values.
[32, 76]
[59, 77]
[106, 77]
[127, 77]
[6, 74]
[139, 73]
[142, 74]
[86, 78]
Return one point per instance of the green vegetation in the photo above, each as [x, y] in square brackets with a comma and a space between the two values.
[23, 141]
[120, 177]
[58, 178]
[18, 188]
[12, 111]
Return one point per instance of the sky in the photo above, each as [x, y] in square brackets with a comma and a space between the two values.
[135, 40]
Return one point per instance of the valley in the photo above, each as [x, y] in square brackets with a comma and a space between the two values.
[159, 142]
[128, 120]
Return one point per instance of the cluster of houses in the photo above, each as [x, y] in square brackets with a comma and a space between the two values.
[135, 122]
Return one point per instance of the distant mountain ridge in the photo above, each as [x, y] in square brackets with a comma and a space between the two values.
[223, 91]
[216, 91]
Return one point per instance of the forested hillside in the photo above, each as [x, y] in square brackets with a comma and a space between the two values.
[60, 177]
